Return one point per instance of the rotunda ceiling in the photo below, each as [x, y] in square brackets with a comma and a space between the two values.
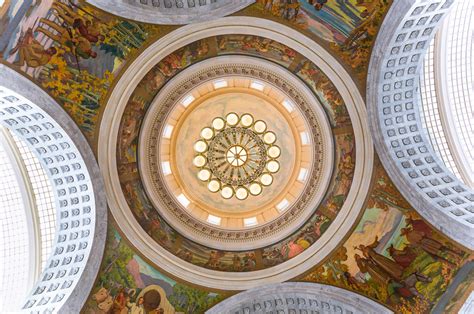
[231, 165]
[212, 151]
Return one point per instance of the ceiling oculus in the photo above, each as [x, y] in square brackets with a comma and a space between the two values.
[236, 156]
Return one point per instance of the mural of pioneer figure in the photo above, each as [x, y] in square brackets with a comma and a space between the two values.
[390, 267]
[31, 51]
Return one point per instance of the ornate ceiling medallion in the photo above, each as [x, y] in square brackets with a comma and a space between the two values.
[237, 156]
[156, 113]
[227, 187]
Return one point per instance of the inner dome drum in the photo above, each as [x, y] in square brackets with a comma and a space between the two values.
[212, 149]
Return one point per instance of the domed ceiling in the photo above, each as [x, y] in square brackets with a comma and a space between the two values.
[235, 153]
[244, 163]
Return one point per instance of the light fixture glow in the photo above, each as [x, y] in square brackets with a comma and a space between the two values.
[274, 152]
[255, 189]
[282, 205]
[207, 133]
[166, 168]
[232, 119]
[227, 192]
[257, 85]
[168, 131]
[204, 175]
[218, 124]
[266, 179]
[288, 105]
[214, 220]
[183, 200]
[246, 120]
[199, 161]
[302, 175]
[241, 193]
[273, 166]
[259, 126]
[220, 84]
[187, 100]
[214, 186]
[200, 146]
[230, 162]
[252, 221]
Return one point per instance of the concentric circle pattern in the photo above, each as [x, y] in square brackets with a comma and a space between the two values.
[230, 189]
[205, 221]
[236, 156]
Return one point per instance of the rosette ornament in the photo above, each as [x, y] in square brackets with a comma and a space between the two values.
[237, 156]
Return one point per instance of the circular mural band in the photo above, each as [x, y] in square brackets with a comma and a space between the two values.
[238, 101]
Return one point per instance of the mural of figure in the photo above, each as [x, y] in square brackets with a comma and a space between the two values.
[136, 308]
[88, 30]
[417, 238]
[390, 267]
[372, 8]
[236, 262]
[249, 261]
[292, 8]
[376, 273]
[267, 5]
[31, 52]
[420, 226]
[410, 283]
[65, 12]
[402, 257]
[120, 303]
[152, 301]
[214, 256]
[185, 254]
[78, 45]
[273, 257]
[292, 249]
[318, 4]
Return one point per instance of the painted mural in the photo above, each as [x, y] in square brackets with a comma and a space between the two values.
[458, 292]
[128, 284]
[75, 52]
[70, 49]
[393, 256]
[148, 216]
[349, 27]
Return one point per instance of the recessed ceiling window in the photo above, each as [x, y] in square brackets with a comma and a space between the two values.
[304, 138]
[447, 91]
[183, 200]
[220, 84]
[289, 106]
[249, 222]
[214, 220]
[166, 168]
[257, 85]
[282, 205]
[27, 220]
[187, 100]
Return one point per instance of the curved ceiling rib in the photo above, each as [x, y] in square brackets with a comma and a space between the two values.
[173, 12]
[399, 136]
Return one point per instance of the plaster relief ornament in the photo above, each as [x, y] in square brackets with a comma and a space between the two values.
[237, 156]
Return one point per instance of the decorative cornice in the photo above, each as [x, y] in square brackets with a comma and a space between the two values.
[214, 236]
[298, 297]
[168, 261]
[173, 12]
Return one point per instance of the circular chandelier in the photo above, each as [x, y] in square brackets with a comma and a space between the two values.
[237, 156]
